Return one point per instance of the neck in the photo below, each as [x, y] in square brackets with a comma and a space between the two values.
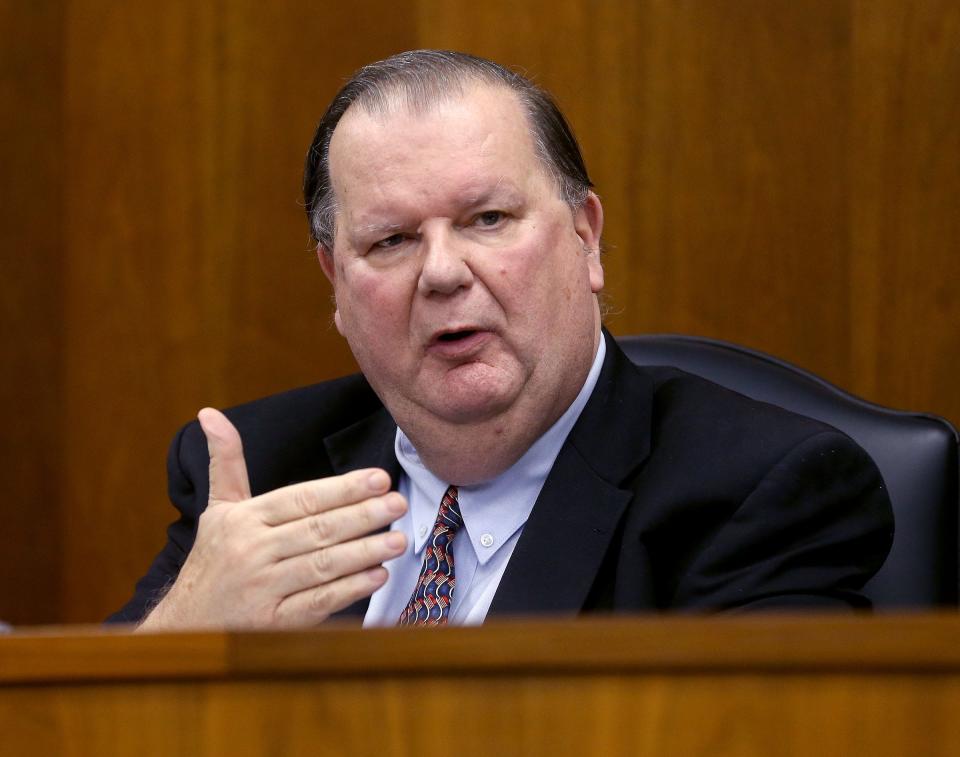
[471, 454]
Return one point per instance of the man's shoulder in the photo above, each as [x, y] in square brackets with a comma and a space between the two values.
[695, 405]
[681, 392]
[715, 424]
[684, 422]
[329, 405]
[283, 434]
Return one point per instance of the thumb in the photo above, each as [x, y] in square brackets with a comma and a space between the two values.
[228, 469]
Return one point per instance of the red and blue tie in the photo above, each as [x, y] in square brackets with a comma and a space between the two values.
[430, 603]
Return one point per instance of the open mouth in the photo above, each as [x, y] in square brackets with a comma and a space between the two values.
[455, 336]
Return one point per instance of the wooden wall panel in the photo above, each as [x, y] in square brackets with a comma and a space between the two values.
[31, 212]
[779, 174]
[190, 279]
[904, 198]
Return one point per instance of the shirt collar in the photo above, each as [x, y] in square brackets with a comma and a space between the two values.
[494, 510]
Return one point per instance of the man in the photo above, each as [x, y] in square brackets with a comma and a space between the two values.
[499, 453]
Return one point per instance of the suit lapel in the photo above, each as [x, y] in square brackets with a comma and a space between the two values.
[575, 517]
[366, 444]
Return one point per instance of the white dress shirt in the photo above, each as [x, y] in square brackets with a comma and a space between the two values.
[494, 514]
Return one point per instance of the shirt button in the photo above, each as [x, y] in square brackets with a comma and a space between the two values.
[423, 530]
[487, 540]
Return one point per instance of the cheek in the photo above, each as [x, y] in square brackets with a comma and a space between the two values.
[525, 288]
[547, 265]
[367, 299]
[374, 309]
[559, 283]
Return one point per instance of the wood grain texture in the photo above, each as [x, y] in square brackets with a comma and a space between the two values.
[678, 686]
[780, 174]
[729, 716]
[31, 307]
[760, 643]
[904, 147]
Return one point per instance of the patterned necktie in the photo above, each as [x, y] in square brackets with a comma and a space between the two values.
[430, 603]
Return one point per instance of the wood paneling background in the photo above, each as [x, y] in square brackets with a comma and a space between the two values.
[783, 174]
[31, 319]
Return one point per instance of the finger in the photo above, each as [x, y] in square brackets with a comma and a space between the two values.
[332, 527]
[228, 469]
[313, 606]
[323, 566]
[312, 497]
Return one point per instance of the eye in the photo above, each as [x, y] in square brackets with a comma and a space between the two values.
[391, 241]
[490, 218]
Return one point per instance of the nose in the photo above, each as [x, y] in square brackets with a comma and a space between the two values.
[445, 268]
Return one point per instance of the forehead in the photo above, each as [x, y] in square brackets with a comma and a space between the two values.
[464, 141]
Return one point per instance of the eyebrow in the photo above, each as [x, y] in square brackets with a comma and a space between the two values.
[379, 228]
[503, 190]
[503, 193]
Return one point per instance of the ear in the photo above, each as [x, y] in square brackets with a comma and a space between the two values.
[588, 223]
[325, 256]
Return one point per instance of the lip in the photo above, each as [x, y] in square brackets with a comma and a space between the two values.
[458, 349]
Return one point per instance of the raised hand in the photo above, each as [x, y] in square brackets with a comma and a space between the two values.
[287, 558]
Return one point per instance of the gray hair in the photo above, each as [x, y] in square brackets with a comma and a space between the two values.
[420, 79]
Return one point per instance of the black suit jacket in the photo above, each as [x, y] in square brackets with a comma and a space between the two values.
[670, 493]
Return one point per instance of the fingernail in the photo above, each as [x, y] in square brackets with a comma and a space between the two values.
[396, 540]
[396, 505]
[377, 576]
[378, 480]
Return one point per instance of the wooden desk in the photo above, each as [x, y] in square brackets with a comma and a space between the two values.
[771, 685]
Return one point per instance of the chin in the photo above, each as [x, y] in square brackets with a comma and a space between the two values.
[472, 410]
[477, 390]
[470, 403]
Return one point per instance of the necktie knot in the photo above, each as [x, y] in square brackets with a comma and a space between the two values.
[449, 517]
[430, 601]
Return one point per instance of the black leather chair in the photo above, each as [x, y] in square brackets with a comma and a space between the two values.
[917, 454]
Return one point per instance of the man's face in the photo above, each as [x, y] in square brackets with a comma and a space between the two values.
[465, 286]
